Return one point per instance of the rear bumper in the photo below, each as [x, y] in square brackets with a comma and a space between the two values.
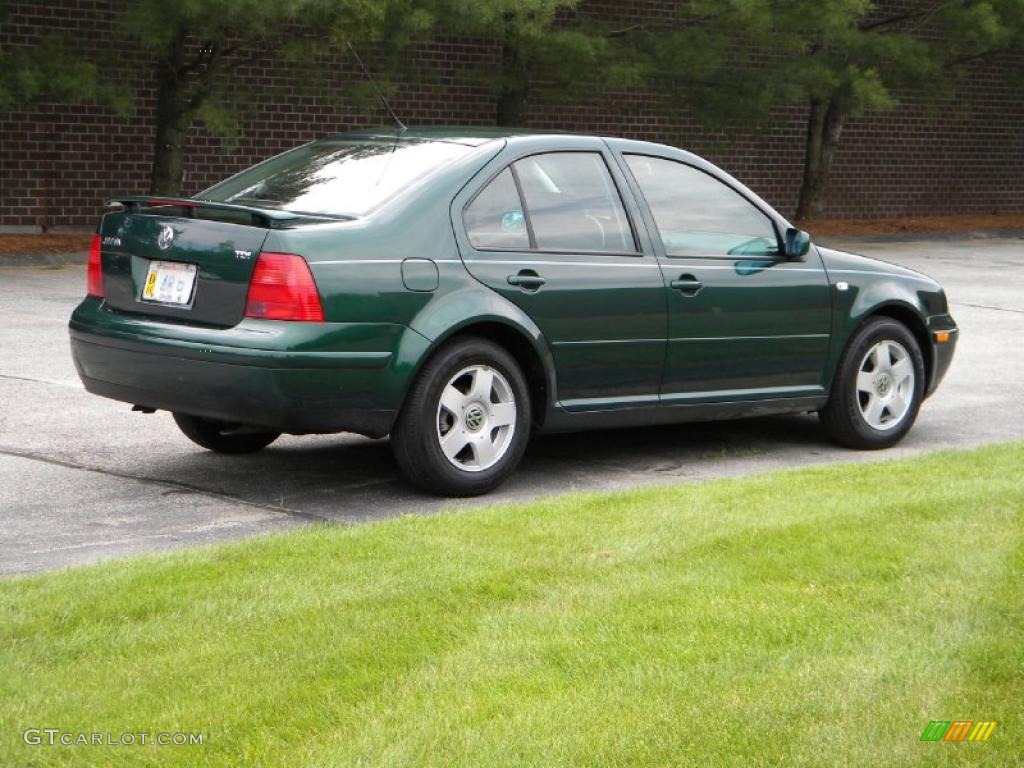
[289, 377]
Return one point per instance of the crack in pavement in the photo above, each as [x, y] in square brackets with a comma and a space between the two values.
[40, 381]
[170, 536]
[986, 306]
[174, 484]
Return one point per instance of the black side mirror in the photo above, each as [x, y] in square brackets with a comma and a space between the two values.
[797, 244]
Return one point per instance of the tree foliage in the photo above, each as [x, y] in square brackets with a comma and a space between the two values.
[549, 50]
[703, 59]
[195, 47]
[53, 71]
[725, 62]
[728, 63]
[844, 58]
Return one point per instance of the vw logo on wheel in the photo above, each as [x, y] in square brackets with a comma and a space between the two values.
[474, 418]
[165, 238]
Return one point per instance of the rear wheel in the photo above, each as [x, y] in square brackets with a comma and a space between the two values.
[223, 436]
[878, 388]
[466, 421]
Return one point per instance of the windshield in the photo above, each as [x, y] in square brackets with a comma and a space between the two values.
[336, 177]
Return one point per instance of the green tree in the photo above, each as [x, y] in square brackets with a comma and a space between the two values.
[845, 58]
[195, 46]
[728, 63]
[704, 59]
[52, 70]
[549, 51]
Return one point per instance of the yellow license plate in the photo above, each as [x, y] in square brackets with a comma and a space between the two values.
[169, 282]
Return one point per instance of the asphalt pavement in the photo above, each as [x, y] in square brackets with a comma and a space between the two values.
[83, 478]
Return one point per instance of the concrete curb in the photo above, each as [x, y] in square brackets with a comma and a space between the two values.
[926, 237]
[44, 259]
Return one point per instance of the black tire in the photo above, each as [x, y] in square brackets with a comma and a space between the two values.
[415, 437]
[842, 417]
[220, 436]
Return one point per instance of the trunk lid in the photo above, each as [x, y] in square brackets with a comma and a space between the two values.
[224, 254]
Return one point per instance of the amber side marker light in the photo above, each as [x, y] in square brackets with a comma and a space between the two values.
[942, 336]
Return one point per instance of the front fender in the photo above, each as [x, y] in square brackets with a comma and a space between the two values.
[916, 301]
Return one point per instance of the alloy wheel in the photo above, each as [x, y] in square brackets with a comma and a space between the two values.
[885, 385]
[476, 418]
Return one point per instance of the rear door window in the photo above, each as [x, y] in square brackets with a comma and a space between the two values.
[495, 218]
[573, 204]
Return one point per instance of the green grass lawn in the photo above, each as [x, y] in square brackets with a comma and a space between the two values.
[814, 617]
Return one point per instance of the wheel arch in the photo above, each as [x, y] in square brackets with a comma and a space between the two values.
[909, 316]
[517, 344]
[502, 323]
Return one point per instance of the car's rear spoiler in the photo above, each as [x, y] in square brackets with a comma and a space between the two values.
[267, 217]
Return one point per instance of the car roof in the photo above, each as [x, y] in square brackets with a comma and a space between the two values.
[548, 140]
[472, 135]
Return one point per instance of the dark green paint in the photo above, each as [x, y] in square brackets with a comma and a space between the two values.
[420, 275]
[876, 287]
[602, 315]
[223, 277]
[738, 328]
[752, 325]
[619, 338]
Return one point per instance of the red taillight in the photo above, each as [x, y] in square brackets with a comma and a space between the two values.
[94, 272]
[282, 288]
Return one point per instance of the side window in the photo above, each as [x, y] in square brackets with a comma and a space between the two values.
[495, 217]
[698, 215]
[573, 203]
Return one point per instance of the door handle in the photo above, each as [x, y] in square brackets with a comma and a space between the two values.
[527, 279]
[688, 285]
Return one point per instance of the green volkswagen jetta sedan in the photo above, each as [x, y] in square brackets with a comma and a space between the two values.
[462, 289]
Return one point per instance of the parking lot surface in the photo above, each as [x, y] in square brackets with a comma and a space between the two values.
[83, 478]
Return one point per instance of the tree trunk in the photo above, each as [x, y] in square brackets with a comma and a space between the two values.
[177, 100]
[824, 128]
[511, 102]
[511, 107]
[169, 150]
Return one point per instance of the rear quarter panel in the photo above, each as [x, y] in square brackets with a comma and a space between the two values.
[358, 268]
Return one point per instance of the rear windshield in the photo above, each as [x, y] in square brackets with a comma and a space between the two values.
[340, 178]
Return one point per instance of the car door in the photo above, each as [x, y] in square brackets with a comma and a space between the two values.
[744, 322]
[550, 232]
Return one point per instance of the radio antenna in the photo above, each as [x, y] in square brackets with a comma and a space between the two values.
[377, 88]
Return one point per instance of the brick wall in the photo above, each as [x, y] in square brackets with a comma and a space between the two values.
[58, 163]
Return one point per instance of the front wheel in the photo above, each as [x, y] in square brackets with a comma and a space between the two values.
[223, 436]
[878, 387]
[466, 421]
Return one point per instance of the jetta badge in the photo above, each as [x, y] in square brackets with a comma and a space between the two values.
[165, 238]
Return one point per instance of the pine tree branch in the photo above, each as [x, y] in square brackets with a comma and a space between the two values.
[920, 15]
[870, 26]
[663, 26]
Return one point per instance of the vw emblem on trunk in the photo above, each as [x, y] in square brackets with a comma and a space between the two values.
[165, 238]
